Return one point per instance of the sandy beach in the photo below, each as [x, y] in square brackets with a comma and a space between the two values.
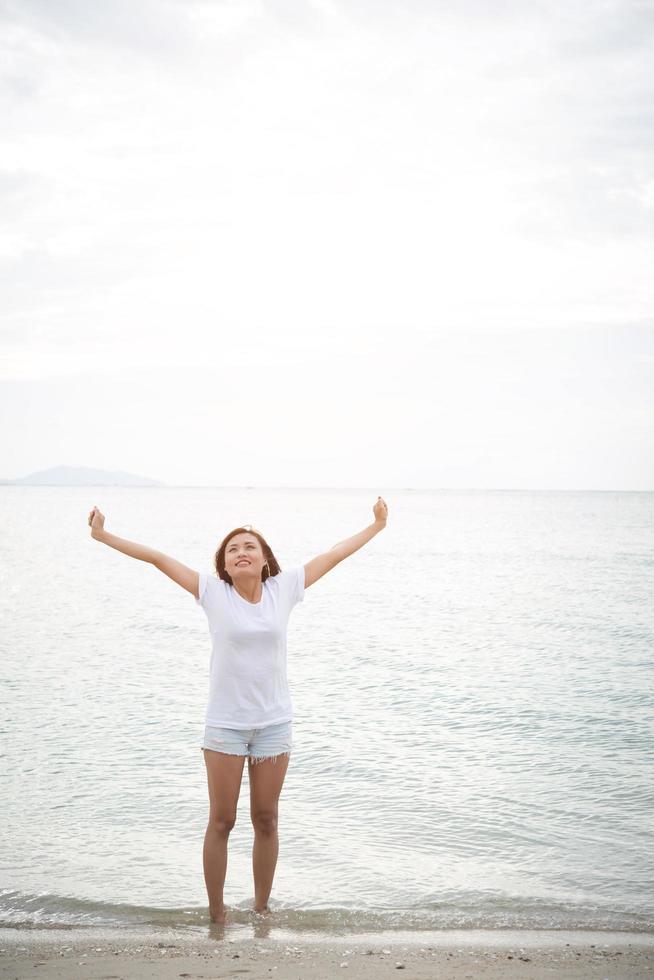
[110, 955]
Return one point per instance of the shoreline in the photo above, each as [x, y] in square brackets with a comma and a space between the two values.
[264, 950]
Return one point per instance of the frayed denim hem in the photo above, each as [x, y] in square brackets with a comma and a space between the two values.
[251, 758]
[254, 759]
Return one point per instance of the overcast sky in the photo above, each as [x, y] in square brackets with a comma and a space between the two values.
[329, 242]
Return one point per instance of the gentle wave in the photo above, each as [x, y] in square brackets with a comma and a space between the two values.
[475, 911]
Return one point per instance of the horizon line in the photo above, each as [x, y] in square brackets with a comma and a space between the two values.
[216, 486]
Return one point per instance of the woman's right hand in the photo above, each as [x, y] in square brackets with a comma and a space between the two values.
[96, 521]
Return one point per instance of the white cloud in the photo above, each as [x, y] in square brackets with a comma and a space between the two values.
[340, 196]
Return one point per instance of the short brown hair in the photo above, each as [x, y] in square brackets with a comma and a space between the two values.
[219, 557]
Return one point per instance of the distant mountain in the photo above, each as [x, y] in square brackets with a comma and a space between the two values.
[83, 476]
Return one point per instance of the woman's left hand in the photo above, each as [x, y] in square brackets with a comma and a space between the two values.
[380, 510]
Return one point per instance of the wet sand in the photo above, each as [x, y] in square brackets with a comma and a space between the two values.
[265, 952]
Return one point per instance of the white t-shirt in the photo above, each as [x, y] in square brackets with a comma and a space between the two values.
[248, 686]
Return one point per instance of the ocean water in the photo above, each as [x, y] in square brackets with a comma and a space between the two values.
[474, 724]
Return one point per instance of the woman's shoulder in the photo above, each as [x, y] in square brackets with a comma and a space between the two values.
[291, 583]
[215, 583]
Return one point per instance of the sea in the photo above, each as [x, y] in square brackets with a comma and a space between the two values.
[473, 711]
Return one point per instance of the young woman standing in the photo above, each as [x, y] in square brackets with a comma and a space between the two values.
[249, 713]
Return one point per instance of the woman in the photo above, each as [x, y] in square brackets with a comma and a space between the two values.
[249, 711]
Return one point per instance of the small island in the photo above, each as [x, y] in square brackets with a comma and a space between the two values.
[82, 476]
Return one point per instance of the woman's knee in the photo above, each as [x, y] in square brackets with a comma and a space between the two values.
[222, 824]
[265, 821]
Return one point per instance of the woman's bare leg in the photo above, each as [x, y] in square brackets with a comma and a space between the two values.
[224, 774]
[266, 781]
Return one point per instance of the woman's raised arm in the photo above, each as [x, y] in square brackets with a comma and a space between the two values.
[321, 564]
[182, 574]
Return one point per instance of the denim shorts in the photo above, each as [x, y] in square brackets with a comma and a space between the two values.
[256, 743]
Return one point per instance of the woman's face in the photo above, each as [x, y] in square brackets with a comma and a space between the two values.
[244, 557]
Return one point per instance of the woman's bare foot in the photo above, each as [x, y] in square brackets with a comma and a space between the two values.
[264, 911]
[218, 914]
